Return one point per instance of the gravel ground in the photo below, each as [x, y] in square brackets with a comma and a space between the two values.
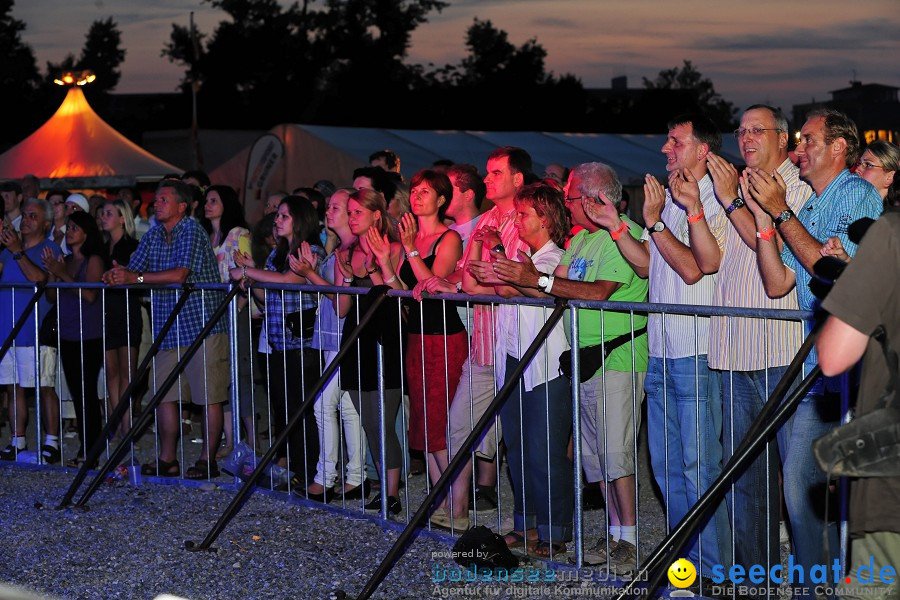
[130, 544]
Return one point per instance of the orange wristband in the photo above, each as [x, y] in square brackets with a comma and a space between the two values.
[695, 218]
[615, 235]
[766, 234]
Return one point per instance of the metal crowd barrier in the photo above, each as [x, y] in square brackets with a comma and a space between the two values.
[241, 318]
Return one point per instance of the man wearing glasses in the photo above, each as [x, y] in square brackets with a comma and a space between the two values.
[755, 352]
[828, 146]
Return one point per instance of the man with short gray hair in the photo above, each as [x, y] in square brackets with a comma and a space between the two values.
[22, 262]
[612, 387]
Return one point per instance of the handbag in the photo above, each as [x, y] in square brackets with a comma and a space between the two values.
[301, 323]
[481, 547]
[591, 357]
[867, 446]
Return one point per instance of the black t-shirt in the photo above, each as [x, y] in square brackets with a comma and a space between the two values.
[868, 295]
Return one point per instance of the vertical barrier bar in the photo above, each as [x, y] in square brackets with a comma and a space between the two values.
[125, 400]
[426, 507]
[576, 438]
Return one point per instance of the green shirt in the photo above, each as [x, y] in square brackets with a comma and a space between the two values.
[593, 257]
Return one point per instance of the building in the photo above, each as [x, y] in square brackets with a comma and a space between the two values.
[873, 106]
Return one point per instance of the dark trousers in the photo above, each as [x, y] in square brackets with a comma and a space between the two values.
[81, 361]
[291, 372]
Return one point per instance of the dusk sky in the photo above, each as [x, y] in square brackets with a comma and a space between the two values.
[780, 51]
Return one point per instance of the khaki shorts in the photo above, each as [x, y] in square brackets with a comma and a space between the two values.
[466, 410]
[608, 447]
[203, 381]
[17, 367]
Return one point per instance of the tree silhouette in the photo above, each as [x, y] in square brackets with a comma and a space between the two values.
[19, 75]
[702, 91]
[103, 54]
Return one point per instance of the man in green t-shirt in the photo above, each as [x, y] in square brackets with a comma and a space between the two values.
[594, 269]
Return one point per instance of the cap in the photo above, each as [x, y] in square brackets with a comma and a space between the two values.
[80, 201]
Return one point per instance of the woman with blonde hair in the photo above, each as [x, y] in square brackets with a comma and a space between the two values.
[123, 307]
[374, 261]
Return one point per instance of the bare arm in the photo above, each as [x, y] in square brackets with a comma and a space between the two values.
[840, 346]
[777, 279]
[524, 276]
[676, 254]
[725, 182]
[769, 192]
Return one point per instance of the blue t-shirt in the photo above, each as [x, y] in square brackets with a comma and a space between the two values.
[14, 301]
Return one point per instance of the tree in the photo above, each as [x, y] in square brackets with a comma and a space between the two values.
[707, 100]
[492, 58]
[499, 85]
[19, 75]
[269, 63]
[102, 54]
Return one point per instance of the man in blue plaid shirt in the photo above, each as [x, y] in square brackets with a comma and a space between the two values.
[177, 251]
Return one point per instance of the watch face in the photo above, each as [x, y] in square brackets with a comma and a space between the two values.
[543, 280]
[658, 226]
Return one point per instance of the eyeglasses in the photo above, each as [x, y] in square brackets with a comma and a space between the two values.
[754, 131]
[865, 164]
[567, 200]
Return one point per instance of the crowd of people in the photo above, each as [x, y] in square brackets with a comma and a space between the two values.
[716, 235]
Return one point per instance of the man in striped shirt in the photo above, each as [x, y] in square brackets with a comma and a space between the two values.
[753, 354]
[828, 147]
[507, 169]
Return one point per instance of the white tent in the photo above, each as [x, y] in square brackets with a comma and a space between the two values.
[313, 152]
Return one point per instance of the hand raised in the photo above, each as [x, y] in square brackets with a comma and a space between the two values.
[408, 227]
[725, 179]
[654, 199]
[305, 252]
[380, 246]
[685, 190]
[52, 264]
[768, 190]
[602, 212]
[299, 265]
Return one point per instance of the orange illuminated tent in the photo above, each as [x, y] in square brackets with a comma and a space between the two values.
[76, 146]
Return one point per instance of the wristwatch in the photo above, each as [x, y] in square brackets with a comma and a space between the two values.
[499, 249]
[18, 255]
[657, 227]
[735, 204]
[545, 282]
[783, 217]
[140, 278]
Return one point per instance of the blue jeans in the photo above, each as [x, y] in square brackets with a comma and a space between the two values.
[804, 482]
[542, 475]
[753, 500]
[681, 402]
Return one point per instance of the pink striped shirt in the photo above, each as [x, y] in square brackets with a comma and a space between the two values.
[483, 326]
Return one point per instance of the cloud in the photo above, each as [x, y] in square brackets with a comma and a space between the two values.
[858, 35]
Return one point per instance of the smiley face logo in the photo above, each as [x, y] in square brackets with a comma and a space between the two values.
[682, 573]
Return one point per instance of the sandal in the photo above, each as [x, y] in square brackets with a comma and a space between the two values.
[516, 539]
[548, 551]
[202, 469]
[161, 468]
[75, 463]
